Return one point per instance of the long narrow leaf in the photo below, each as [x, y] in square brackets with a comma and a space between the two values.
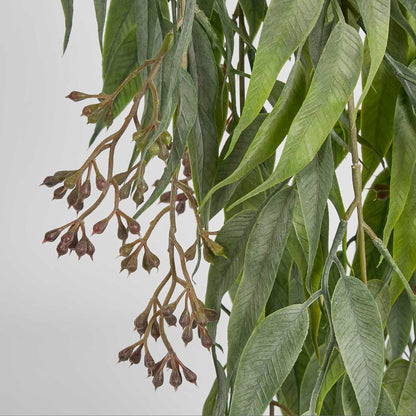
[68, 7]
[100, 12]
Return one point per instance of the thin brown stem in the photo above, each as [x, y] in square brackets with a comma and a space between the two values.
[283, 407]
[356, 179]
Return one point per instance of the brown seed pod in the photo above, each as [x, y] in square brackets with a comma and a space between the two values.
[133, 226]
[136, 355]
[185, 318]
[100, 226]
[187, 335]
[140, 323]
[171, 320]
[60, 192]
[51, 235]
[175, 379]
[154, 330]
[125, 354]
[100, 182]
[150, 260]
[189, 374]
[149, 362]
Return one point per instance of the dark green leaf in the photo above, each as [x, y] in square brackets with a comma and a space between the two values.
[263, 254]
[400, 382]
[211, 400]
[295, 19]
[359, 333]
[268, 358]
[68, 7]
[254, 11]
[206, 6]
[100, 12]
[410, 5]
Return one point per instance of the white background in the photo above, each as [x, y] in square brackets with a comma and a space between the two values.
[62, 322]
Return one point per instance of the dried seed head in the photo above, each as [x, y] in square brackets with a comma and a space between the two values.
[125, 354]
[175, 379]
[126, 249]
[90, 249]
[77, 96]
[149, 362]
[136, 355]
[85, 190]
[61, 249]
[180, 207]
[133, 226]
[150, 260]
[121, 177]
[100, 182]
[140, 323]
[187, 335]
[185, 318]
[60, 192]
[122, 232]
[82, 247]
[51, 235]
[168, 310]
[100, 226]
[171, 320]
[165, 197]
[154, 330]
[190, 253]
[189, 374]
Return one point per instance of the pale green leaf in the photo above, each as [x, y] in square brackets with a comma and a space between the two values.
[400, 382]
[385, 405]
[263, 254]
[146, 26]
[294, 20]
[273, 129]
[334, 80]
[380, 292]
[100, 12]
[68, 7]
[267, 359]
[359, 334]
[314, 184]
[376, 16]
[403, 162]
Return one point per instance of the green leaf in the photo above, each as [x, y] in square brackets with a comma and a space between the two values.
[146, 26]
[184, 124]
[254, 11]
[410, 5]
[206, 6]
[333, 401]
[273, 130]
[380, 292]
[404, 241]
[334, 80]
[314, 184]
[400, 382]
[334, 371]
[203, 142]
[267, 359]
[350, 404]
[359, 333]
[403, 162]
[399, 324]
[68, 7]
[376, 16]
[263, 254]
[100, 12]
[295, 19]
[211, 400]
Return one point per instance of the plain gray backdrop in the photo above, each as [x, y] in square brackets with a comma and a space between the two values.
[62, 322]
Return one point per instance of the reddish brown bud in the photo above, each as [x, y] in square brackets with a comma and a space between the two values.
[73, 244]
[51, 235]
[100, 182]
[90, 249]
[184, 319]
[67, 238]
[133, 226]
[158, 378]
[140, 323]
[190, 253]
[72, 198]
[181, 197]
[171, 320]
[50, 181]
[187, 335]
[100, 226]
[77, 96]
[189, 374]
[82, 247]
[149, 362]
[85, 190]
[122, 232]
[150, 260]
[125, 354]
[165, 197]
[92, 110]
[79, 206]
[125, 190]
[175, 379]
[180, 207]
[60, 192]
[206, 340]
[61, 249]
[168, 310]
[136, 355]
[154, 330]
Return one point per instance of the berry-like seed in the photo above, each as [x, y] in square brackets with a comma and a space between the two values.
[51, 235]
[184, 318]
[175, 379]
[100, 226]
[125, 354]
[136, 355]
[133, 226]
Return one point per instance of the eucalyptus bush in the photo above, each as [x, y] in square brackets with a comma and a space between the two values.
[312, 330]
